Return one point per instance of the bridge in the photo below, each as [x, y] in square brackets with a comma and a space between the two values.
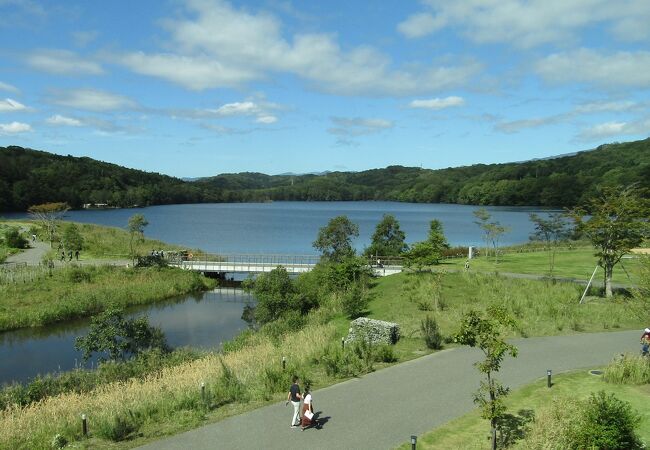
[253, 264]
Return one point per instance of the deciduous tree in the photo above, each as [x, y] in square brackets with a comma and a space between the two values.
[334, 240]
[552, 231]
[388, 238]
[136, 226]
[48, 215]
[484, 332]
[618, 223]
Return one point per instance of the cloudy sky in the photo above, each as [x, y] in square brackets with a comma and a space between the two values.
[200, 87]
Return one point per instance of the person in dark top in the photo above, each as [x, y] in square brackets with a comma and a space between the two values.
[295, 397]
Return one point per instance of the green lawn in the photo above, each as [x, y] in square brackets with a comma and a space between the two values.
[576, 264]
[472, 432]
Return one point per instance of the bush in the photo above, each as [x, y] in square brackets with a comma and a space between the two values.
[385, 353]
[608, 423]
[601, 422]
[629, 369]
[431, 333]
[120, 428]
[355, 302]
[13, 238]
[59, 441]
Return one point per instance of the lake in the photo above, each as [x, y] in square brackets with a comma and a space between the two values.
[291, 227]
[268, 228]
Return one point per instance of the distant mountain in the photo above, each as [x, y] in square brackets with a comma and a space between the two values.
[29, 177]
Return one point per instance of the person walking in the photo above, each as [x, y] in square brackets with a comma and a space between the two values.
[294, 397]
[645, 342]
[307, 410]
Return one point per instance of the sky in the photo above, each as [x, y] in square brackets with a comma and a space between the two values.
[194, 88]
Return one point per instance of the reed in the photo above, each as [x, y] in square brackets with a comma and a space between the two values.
[160, 396]
[628, 369]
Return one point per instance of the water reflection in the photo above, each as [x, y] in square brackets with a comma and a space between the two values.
[203, 320]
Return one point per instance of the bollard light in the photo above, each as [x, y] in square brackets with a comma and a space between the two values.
[343, 343]
[202, 390]
[84, 425]
[549, 373]
[284, 363]
[414, 441]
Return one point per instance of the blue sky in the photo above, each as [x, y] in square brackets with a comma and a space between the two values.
[200, 87]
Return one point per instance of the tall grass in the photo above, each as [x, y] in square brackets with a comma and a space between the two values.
[628, 369]
[161, 396]
[82, 291]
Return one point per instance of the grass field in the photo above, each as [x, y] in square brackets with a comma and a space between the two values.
[471, 432]
[575, 264]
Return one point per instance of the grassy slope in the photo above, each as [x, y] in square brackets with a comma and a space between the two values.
[577, 264]
[471, 431]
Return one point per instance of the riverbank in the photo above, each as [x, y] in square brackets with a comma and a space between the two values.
[81, 291]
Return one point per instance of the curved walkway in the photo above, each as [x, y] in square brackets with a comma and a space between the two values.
[383, 409]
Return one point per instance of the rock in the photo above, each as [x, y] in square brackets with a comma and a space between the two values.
[373, 331]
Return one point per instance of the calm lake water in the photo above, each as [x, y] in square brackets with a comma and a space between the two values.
[268, 228]
[291, 227]
[200, 321]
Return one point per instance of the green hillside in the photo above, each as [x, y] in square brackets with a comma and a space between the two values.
[562, 181]
[29, 177]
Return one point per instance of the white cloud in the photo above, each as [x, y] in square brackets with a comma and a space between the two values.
[357, 126]
[63, 120]
[221, 46]
[626, 69]
[237, 109]
[518, 125]
[609, 129]
[528, 23]
[14, 128]
[9, 105]
[607, 106]
[437, 103]
[267, 120]
[92, 100]
[62, 62]
[419, 25]
[8, 87]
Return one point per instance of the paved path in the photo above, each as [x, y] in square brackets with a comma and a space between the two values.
[31, 256]
[383, 409]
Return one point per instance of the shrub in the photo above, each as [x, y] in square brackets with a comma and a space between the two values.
[355, 302]
[59, 441]
[600, 422]
[608, 423]
[629, 369]
[340, 363]
[431, 333]
[13, 238]
[119, 429]
[385, 353]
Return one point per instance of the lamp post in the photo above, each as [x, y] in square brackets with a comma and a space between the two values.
[549, 373]
[414, 441]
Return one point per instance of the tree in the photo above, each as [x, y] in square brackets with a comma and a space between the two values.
[492, 231]
[110, 332]
[617, 224]
[437, 237]
[48, 214]
[136, 226]
[485, 333]
[72, 239]
[429, 252]
[552, 231]
[13, 238]
[388, 239]
[276, 294]
[335, 239]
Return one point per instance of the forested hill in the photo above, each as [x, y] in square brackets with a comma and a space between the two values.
[29, 177]
[562, 181]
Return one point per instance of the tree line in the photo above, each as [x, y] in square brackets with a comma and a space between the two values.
[30, 177]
